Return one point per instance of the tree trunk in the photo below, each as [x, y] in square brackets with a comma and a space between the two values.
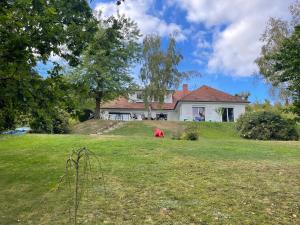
[287, 102]
[149, 112]
[97, 109]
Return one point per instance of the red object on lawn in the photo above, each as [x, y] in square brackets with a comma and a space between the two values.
[158, 133]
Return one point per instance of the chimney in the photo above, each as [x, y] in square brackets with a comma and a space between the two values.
[185, 89]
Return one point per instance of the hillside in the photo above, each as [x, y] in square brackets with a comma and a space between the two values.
[219, 179]
[208, 130]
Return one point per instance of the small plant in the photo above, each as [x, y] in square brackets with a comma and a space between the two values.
[79, 174]
[191, 135]
[264, 125]
[191, 132]
[219, 111]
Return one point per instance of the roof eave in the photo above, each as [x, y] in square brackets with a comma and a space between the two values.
[213, 101]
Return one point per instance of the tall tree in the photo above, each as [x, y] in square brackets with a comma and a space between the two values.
[108, 59]
[286, 65]
[279, 58]
[159, 72]
[32, 31]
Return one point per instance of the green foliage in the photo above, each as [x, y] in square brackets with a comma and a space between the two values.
[107, 60]
[85, 114]
[279, 61]
[219, 110]
[191, 132]
[286, 111]
[41, 123]
[264, 125]
[159, 72]
[191, 135]
[7, 118]
[61, 123]
[46, 97]
[287, 63]
[57, 123]
[32, 31]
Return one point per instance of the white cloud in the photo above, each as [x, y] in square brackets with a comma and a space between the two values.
[139, 11]
[234, 48]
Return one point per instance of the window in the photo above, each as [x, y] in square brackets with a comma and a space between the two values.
[119, 116]
[227, 115]
[139, 97]
[198, 113]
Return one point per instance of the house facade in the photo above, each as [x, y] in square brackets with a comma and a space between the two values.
[202, 104]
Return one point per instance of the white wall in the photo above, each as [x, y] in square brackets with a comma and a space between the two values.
[169, 98]
[172, 115]
[133, 97]
[186, 113]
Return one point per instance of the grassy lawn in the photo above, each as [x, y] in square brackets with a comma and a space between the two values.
[219, 179]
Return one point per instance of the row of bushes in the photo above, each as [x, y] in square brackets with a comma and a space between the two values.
[260, 125]
[266, 125]
[58, 121]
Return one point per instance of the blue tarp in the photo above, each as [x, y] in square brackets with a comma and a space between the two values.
[18, 131]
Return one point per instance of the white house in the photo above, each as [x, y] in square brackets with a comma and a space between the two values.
[202, 104]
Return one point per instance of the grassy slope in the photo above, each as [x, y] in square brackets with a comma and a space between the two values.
[220, 179]
[91, 126]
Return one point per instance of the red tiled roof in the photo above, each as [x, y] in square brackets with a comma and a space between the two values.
[208, 94]
[202, 94]
[179, 95]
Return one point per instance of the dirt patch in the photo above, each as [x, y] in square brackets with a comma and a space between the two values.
[93, 126]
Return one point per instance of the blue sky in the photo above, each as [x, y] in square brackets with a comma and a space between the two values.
[218, 38]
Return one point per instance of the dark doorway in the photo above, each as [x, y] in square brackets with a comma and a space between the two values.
[227, 115]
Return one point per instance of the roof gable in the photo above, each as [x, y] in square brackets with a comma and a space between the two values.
[208, 94]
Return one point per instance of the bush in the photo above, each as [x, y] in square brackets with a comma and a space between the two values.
[61, 124]
[191, 135]
[191, 132]
[85, 115]
[41, 123]
[264, 125]
[7, 119]
[44, 123]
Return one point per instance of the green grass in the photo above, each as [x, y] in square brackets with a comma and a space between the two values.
[219, 179]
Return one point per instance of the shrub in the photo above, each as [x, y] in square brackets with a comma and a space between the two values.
[191, 135]
[61, 123]
[45, 123]
[7, 119]
[264, 125]
[191, 132]
[85, 115]
[41, 123]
